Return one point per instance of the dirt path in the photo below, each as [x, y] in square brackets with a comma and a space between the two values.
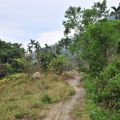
[62, 110]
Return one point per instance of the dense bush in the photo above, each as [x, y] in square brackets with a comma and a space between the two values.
[11, 58]
[18, 65]
[9, 69]
[2, 70]
[97, 44]
[111, 70]
[101, 111]
[9, 51]
[56, 64]
[108, 85]
[5, 69]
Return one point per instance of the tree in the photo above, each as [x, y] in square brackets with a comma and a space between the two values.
[101, 8]
[37, 50]
[58, 49]
[77, 19]
[116, 12]
[73, 20]
[34, 46]
[97, 43]
[42, 55]
[31, 45]
[8, 53]
[56, 64]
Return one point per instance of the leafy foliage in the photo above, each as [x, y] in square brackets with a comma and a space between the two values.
[99, 111]
[77, 19]
[11, 58]
[116, 12]
[46, 98]
[56, 64]
[97, 44]
[108, 85]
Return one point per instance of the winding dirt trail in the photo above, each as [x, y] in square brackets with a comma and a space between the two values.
[62, 110]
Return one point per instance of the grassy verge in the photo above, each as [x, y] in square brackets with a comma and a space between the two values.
[79, 112]
[24, 98]
[96, 111]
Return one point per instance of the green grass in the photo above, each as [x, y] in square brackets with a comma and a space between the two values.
[99, 113]
[94, 109]
[24, 98]
[77, 112]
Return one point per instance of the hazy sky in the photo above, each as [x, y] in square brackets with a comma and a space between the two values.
[22, 20]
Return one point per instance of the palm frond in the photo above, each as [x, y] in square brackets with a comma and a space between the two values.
[118, 8]
[114, 8]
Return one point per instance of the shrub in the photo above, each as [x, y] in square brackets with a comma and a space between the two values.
[18, 65]
[9, 69]
[108, 85]
[20, 115]
[56, 64]
[46, 98]
[96, 111]
[111, 93]
[5, 69]
[2, 70]
[111, 70]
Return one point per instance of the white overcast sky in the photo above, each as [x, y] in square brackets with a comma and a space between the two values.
[22, 20]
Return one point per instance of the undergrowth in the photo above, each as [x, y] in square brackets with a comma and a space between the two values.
[97, 110]
[24, 98]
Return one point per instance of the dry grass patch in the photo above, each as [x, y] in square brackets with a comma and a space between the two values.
[68, 75]
[24, 98]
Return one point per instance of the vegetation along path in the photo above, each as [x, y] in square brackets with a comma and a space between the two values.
[62, 110]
